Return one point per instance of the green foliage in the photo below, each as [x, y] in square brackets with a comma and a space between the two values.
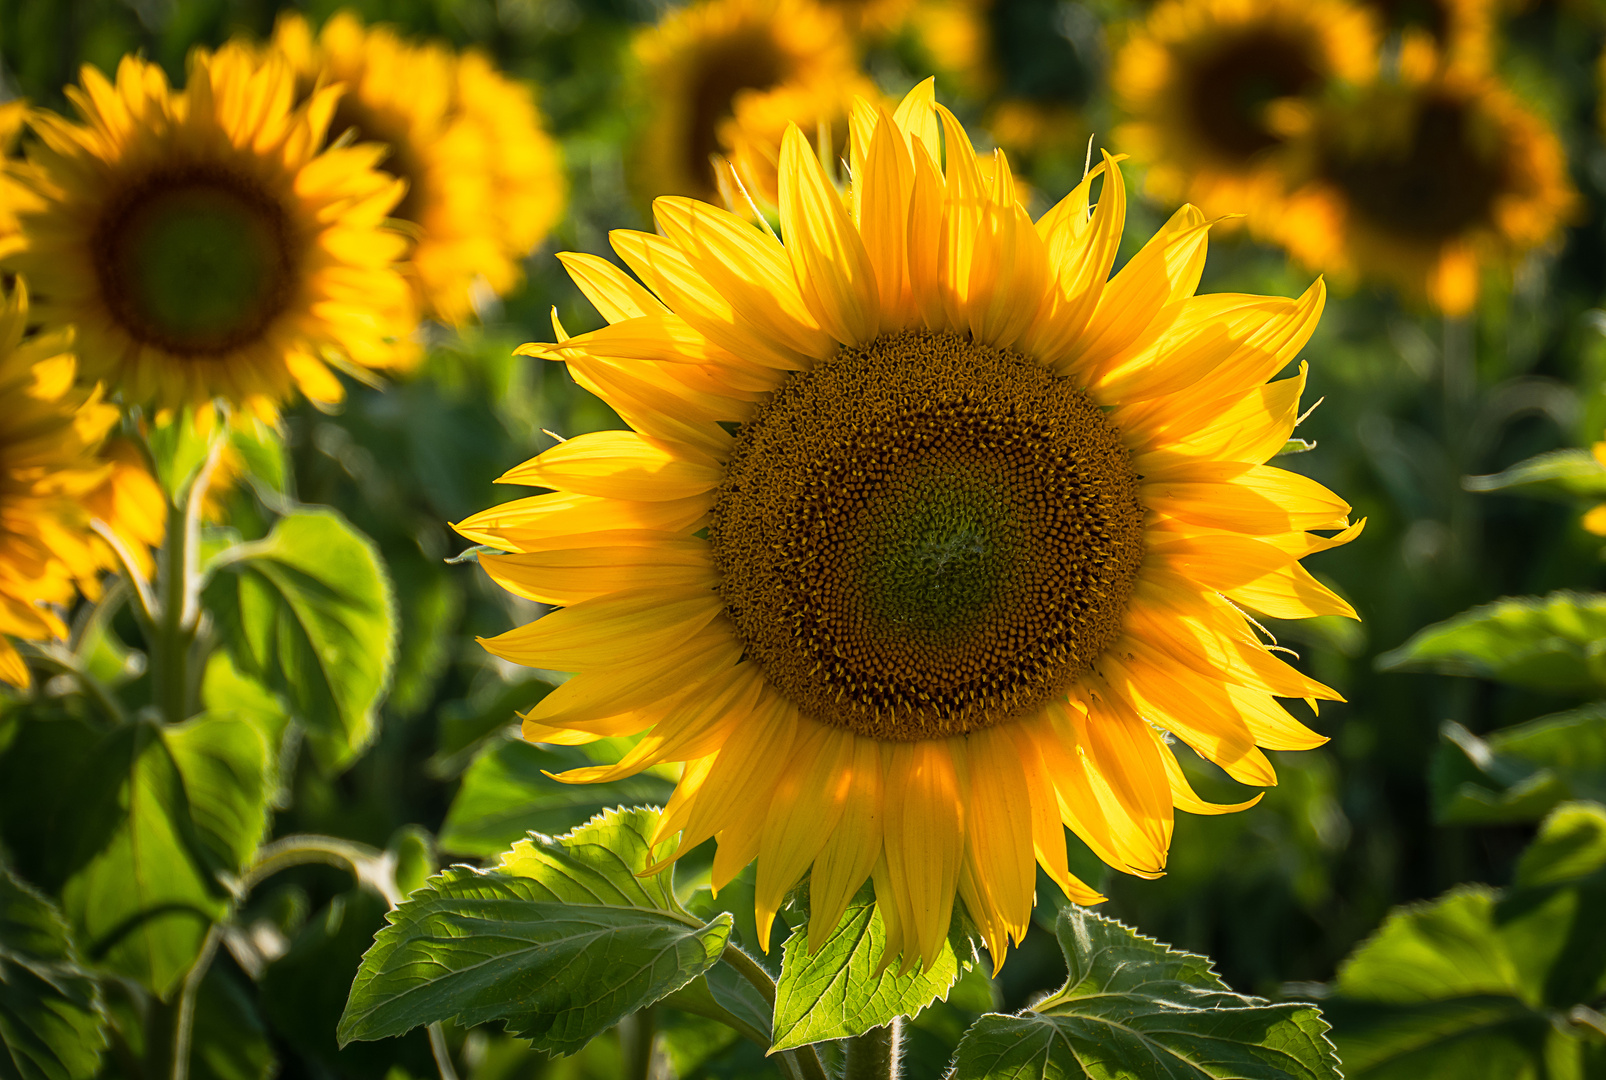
[507, 793]
[230, 1038]
[52, 1022]
[1566, 474]
[1556, 644]
[559, 944]
[1485, 983]
[309, 612]
[836, 992]
[1519, 773]
[1132, 1009]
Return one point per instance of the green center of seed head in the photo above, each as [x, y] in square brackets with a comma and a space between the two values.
[939, 554]
[199, 267]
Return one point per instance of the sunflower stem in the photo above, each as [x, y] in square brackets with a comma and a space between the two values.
[874, 1055]
[442, 1053]
[802, 1063]
[636, 1036]
[179, 580]
[184, 1027]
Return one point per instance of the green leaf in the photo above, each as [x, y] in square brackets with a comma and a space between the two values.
[52, 1023]
[1564, 474]
[227, 693]
[564, 939]
[1135, 1010]
[506, 793]
[267, 466]
[1555, 644]
[466, 724]
[229, 1040]
[309, 612]
[835, 993]
[225, 765]
[178, 448]
[1482, 983]
[1519, 773]
[1297, 446]
[146, 894]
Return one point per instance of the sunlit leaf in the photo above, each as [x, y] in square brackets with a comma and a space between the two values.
[836, 993]
[506, 793]
[1566, 474]
[1519, 773]
[559, 943]
[1556, 644]
[309, 612]
[52, 1025]
[1486, 984]
[1133, 1009]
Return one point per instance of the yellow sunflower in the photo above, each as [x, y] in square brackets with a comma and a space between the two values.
[871, 18]
[202, 244]
[752, 135]
[1424, 181]
[13, 119]
[1199, 82]
[483, 181]
[50, 432]
[702, 61]
[924, 535]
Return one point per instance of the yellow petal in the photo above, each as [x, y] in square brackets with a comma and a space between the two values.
[620, 465]
[1083, 250]
[998, 827]
[565, 576]
[613, 292]
[1255, 499]
[851, 850]
[807, 808]
[924, 841]
[527, 523]
[884, 187]
[833, 270]
[1183, 797]
[620, 628]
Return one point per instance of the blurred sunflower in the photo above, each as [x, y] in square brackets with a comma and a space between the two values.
[1595, 518]
[752, 135]
[1035, 63]
[923, 533]
[1200, 82]
[203, 246]
[483, 179]
[1423, 181]
[13, 119]
[871, 18]
[704, 61]
[50, 432]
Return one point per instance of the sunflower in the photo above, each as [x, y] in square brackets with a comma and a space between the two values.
[1423, 181]
[871, 18]
[201, 243]
[50, 432]
[483, 180]
[1200, 80]
[927, 539]
[13, 119]
[702, 61]
[752, 135]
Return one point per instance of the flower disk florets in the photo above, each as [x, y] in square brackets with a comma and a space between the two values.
[925, 536]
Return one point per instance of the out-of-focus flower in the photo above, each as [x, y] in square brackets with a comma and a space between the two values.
[923, 532]
[484, 181]
[709, 61]
[13, 119]
[1424, 182]
[50, 431]
[203, 245]
[1595, 517]
[1201, 81]
[752, 136]
[871, 18]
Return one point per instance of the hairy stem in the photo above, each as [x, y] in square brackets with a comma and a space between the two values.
[874, 1055]
[636, 1035]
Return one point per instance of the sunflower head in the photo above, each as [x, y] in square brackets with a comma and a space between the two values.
[703, 62]
[928, 538]
[202, 244]
[1425, 181]
[50, 473]
[483, 183]
[1201, 82]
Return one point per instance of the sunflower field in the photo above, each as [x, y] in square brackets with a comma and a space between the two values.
[817, 539]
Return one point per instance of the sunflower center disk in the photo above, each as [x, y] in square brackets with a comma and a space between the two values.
[195, 264]
[925, 536]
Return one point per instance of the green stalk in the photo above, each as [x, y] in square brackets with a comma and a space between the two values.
[874, 1055]
[178, 613]
[636, 1036]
